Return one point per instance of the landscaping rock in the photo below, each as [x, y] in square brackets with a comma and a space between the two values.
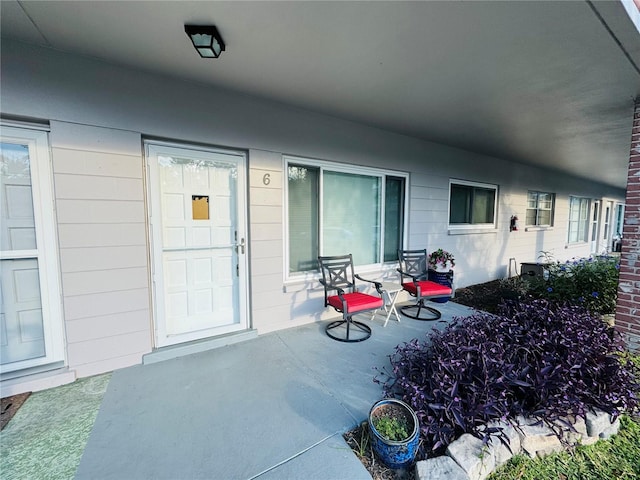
[597, 422]
[539, 438]
[440, 468]
[611, 430]
[574, 435]
[473, 456]
[469, 459]
[501, 452]
[589, 440]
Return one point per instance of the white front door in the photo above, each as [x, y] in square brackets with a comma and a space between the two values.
[198, 232]
[606, 230]
[30, 312]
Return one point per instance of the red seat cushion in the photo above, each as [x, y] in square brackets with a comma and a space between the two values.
[356, 302]
[427, 289]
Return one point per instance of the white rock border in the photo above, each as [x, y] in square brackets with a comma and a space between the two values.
[468, 459]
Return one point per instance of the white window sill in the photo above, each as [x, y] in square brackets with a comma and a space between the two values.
[471, 231]
[576, 245]
[537, 229]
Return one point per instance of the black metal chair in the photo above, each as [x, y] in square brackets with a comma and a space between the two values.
[338, 276]
[414, 274]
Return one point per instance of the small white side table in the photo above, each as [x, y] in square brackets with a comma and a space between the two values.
[391, 291]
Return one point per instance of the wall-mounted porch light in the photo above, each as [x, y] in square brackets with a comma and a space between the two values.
[206, 40]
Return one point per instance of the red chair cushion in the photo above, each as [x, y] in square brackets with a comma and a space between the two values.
[356, 302]
[427, 289]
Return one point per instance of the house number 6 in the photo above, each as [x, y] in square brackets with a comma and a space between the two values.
[266, 179]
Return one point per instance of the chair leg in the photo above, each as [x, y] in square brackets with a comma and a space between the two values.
[432, 313]
[347, 338]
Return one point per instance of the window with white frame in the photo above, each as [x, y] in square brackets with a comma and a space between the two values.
[619, 219]
[335, 210]
[578, 219]
[540, 207]
[472, 205]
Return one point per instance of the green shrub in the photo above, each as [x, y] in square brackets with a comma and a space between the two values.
[590, 282]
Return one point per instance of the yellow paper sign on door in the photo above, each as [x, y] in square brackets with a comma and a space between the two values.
[200, 207]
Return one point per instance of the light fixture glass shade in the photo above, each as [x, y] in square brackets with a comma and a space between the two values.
[206, 40]
[206, 53]
[201, 40]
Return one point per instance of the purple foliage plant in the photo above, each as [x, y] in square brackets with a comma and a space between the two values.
[533, 358]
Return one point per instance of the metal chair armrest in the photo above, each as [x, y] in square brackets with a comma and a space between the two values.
[378, 285]
[415, 278]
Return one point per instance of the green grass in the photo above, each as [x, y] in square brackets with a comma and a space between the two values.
[617, 458]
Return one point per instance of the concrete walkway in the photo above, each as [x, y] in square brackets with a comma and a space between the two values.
[274, 407]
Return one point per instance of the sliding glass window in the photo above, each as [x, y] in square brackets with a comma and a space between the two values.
[335, 211]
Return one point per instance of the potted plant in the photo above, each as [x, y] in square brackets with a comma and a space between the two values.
[394, 432]
[441, 261]
[441, 265]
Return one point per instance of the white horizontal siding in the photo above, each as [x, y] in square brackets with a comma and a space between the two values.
[86, 138]
[102, 258]
[100, 211]
[267, 248]
[95, 328]
[266, 196]
[105, 303]
[101, 281]
[77, 235]
[89, 369]
[261, 283]
[265, 231]
[79, 162]
[91, 187]
[103, 246]
[101, 351]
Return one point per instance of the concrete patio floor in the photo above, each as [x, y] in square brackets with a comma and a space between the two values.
[274, 407]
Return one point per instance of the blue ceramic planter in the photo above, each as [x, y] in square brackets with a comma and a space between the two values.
[443, 278]
[394, 454]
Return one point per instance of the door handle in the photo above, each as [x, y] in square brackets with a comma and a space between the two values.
[240, 246]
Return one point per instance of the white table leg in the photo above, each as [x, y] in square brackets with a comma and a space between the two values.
[392, 307]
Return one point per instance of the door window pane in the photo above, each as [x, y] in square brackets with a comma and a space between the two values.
[21, 325]
[17, 226]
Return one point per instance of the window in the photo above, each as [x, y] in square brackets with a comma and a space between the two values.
[578, 219]
[619, 219]
[540, 209]
[335, 210]
[472, 204]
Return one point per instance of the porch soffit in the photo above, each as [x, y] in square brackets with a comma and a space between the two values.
[545, 83]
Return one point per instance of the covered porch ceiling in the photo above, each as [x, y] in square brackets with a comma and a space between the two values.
[544, 83]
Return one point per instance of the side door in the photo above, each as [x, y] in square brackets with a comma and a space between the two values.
[31, 331]
[198, 233]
